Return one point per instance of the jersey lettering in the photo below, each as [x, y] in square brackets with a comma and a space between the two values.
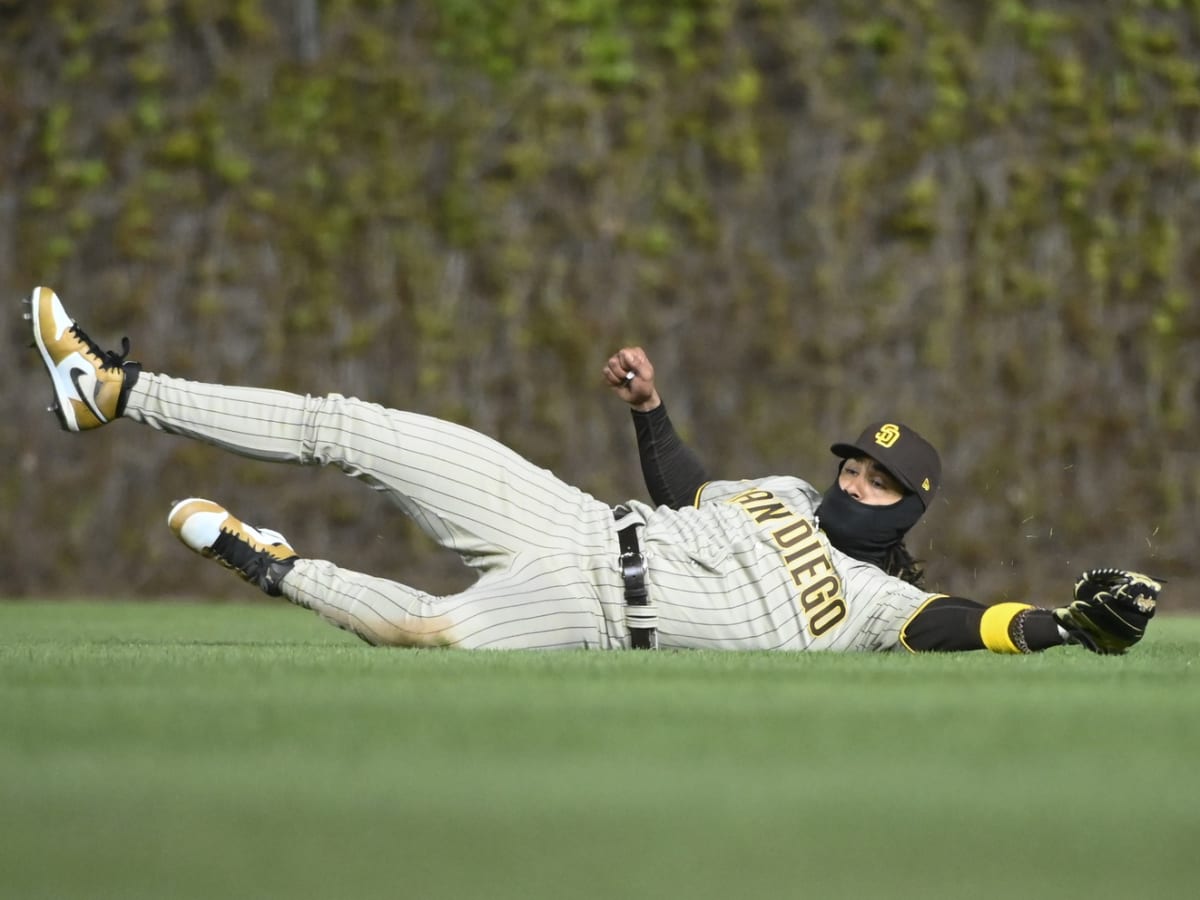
[763, 511]
[819, 587]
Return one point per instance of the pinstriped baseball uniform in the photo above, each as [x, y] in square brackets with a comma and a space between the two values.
[743, 569]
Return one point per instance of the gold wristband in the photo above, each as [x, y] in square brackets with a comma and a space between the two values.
[993, 627]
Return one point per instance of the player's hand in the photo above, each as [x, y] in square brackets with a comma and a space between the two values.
[630, 373]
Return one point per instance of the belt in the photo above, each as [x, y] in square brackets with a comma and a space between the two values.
[640, 617]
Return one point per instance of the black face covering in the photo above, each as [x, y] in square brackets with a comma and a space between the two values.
[863, 531]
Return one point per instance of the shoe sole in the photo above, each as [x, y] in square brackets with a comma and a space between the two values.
[180, 515]
[65, 392]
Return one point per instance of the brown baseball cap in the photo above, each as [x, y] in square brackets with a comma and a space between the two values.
[901, 451]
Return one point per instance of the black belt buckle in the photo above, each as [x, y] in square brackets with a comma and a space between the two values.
[633, 571]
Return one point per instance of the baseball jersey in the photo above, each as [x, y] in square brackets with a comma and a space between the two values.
[747, 568]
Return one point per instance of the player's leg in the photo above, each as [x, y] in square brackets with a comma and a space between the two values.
[467, 491]
[533, 605]
[539, 602]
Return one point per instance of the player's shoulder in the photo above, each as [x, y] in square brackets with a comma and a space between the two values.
[786, 488]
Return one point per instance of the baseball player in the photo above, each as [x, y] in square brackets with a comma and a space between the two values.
[761, 564]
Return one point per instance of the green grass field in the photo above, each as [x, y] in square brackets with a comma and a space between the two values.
[173, 750]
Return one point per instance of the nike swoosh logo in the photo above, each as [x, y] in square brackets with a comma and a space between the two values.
[87, 387]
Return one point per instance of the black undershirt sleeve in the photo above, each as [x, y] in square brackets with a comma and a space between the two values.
[673, 473]
[946, 624]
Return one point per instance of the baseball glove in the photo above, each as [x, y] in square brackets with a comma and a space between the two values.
[1110, 611]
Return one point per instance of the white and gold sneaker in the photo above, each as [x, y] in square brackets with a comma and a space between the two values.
[259, 555]
[91, 385]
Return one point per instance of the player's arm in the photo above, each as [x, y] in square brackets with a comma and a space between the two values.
[673, 473]
[955, 623]
[1109, 614]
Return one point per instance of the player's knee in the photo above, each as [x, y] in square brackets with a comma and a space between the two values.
[412, 631]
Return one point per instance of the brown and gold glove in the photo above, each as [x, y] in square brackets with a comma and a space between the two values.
[1110, 610]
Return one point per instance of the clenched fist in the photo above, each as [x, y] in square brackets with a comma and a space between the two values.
[631, 374]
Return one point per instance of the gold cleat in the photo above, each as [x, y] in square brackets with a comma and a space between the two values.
[90, 385]
[259, 555]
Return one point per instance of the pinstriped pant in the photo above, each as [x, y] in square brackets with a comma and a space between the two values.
[546, 551]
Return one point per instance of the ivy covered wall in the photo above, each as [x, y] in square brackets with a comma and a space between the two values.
[979, 218]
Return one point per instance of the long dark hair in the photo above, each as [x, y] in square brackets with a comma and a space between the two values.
[900, 563]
